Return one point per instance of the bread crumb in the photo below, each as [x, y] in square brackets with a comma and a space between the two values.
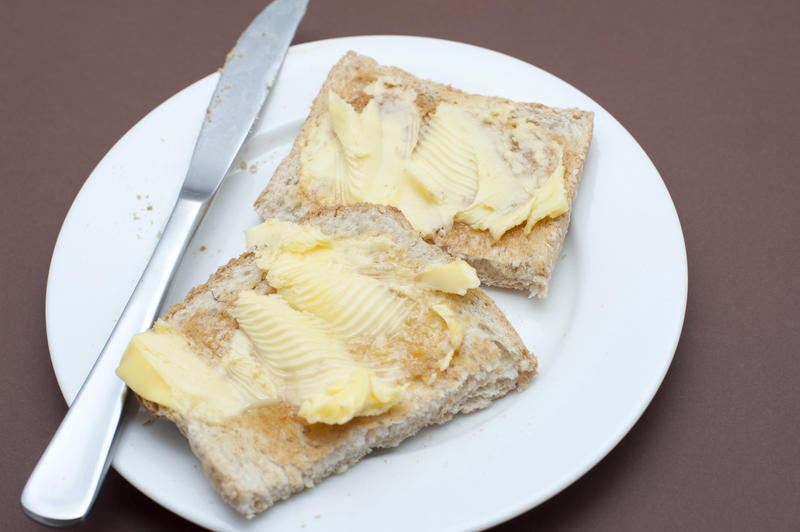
[317, 516]
[219, 250]
[136, 216]
[253, 169]
[149, 421]
[138, 196]
[202, 248]
[385, 460]
[158, 234]
[243, 165]
[149, 207]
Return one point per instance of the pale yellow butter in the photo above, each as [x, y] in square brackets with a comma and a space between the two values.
[161, 366]
[336, 301]
[454, 168]
[454, 277]
[454, 327]
[314, 368]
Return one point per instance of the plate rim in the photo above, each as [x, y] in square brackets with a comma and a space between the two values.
[501, 514]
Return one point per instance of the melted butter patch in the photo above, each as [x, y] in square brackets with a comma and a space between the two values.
[455, 168]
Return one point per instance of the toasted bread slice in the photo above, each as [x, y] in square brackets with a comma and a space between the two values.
[269, 453]
[518, 259]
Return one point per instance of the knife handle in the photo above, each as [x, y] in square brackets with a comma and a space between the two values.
[67, 478]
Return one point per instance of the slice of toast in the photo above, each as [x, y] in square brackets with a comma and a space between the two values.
[269, 452]
[519, 259]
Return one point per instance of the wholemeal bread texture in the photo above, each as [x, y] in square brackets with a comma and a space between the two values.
[520, 259]
[269, 452]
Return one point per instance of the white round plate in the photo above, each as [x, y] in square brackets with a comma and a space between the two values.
[604, 337]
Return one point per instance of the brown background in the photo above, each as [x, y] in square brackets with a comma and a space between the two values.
[709, 90]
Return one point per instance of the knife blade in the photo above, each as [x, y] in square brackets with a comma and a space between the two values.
[67, 478]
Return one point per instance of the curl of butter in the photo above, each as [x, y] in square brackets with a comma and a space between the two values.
[360, 393]
[454, 327]
[161, 366]
[315, 368]
[454, 277]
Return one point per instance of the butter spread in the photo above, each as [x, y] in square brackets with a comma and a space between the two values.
[161, 366]
[454, 327]
[491, 169]
[351, 322]
[454, 277]
[313, 367]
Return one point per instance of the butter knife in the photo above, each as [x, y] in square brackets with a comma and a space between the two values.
[67, 478]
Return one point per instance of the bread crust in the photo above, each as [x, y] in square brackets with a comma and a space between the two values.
[517, 260]
[269, 452]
